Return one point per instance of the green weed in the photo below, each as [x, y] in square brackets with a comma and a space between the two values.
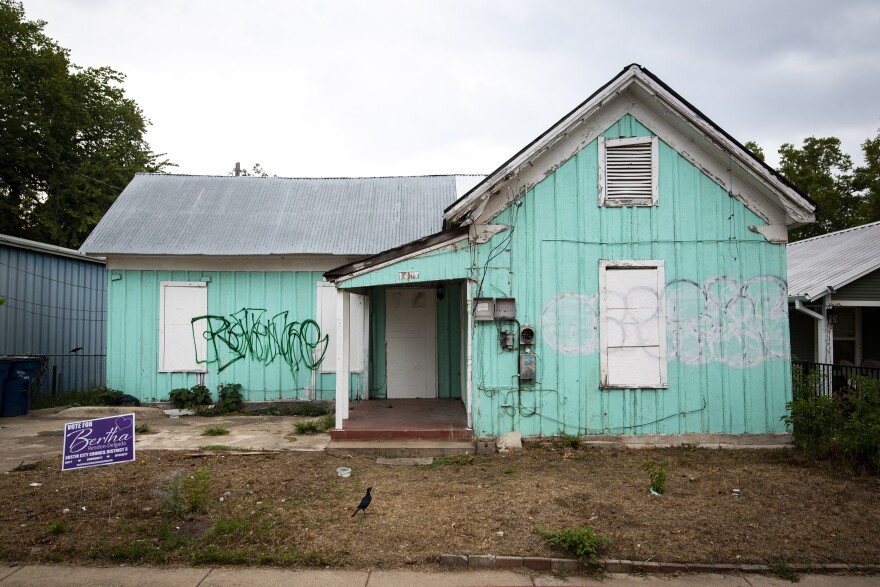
[219, 447]
[56, 527]
[582, 543]
[215, 431]
[143, 429]
[657, 474]
[321, 425]
[509, 471]
[570, 441]
[171, 494]
[783, 570]
[198, 491]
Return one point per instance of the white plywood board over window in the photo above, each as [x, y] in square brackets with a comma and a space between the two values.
[182, 344]
[632, 334]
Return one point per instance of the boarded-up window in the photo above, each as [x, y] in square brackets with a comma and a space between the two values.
[628, 171]
[327, 321]
[182, 344]
[632, 334]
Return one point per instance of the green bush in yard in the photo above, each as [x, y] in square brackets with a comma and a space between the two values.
[583, 543]
[197, 395]
[846, 428]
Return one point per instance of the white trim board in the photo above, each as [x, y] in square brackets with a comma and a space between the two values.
[228, 263]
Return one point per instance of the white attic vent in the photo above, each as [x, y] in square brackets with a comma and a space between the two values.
[628, 171]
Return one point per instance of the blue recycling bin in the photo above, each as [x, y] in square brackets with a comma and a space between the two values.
[17, 386]
[27, 370]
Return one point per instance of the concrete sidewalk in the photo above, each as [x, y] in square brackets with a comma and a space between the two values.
[40, 576]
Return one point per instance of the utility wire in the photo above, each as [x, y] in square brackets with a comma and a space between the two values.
[50, 279]
[11, 307]
[54, 307]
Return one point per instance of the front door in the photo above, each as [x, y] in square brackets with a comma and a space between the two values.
[411, 334]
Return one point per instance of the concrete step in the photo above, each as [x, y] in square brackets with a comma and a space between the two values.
[401, 448]
[449, 433]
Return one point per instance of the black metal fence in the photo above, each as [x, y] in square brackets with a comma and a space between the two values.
[828, 380]
[66, 373]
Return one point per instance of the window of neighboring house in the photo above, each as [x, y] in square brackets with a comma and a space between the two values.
[628, 171]
[182, 344]
[632, 333]
[326, 313]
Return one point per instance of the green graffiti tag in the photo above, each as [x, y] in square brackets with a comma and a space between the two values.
[247, 333]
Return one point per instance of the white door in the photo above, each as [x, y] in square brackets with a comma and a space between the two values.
[411, 334]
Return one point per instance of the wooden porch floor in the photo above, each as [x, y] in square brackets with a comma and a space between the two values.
[405, 419]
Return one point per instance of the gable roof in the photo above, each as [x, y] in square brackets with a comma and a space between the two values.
[832, 260]
[718, 154]
[164, 214]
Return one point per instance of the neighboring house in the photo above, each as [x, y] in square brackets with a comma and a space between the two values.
[834, 291]
[219, 279]
[624, 273]
[55, 307]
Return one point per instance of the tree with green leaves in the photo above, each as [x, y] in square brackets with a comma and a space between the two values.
[866, 180]
[824, 172]
[70, 139]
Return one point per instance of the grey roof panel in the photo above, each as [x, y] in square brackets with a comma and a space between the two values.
[164, 214]
[833, 259]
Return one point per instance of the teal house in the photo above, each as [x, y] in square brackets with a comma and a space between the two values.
[214, 280]
[624, 273]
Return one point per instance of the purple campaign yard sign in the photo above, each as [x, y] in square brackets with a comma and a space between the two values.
[102, 441]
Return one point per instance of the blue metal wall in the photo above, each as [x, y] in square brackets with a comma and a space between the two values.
[54, 304]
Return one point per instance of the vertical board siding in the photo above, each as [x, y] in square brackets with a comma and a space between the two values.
[720, 378]
[133, 339]
[54, 304]
[449, 342]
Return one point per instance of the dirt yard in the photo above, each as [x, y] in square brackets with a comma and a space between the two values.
[292, 509]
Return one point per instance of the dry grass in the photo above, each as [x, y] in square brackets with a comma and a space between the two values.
[291, 509]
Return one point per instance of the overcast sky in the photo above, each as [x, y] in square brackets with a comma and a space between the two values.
[325, 88]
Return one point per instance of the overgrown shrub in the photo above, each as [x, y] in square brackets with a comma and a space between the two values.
[846, 427]
[182, 398]
[229, 398]
[583, 543]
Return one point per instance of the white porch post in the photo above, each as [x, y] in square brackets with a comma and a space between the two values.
[469, 369]
[343, 300]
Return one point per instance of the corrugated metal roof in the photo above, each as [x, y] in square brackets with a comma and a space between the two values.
[164, 214]
[833, 259]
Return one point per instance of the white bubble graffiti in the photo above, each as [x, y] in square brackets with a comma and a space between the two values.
[721, 320]
[570, 323]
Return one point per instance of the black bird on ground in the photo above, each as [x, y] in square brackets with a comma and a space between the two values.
[364, 503]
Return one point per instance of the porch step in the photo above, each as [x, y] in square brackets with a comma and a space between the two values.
[401, 448]
[435, 434]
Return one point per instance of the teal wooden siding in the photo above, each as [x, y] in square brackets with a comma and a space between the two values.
[727, 334]
[133, 334]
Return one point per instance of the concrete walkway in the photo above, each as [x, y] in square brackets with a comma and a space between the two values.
[38, 435]
[40, 576]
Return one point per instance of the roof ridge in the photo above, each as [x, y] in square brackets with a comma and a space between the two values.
[337, 177]
[835, 233]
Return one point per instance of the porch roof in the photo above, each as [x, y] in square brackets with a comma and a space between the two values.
[820, 265]
[439, 257]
